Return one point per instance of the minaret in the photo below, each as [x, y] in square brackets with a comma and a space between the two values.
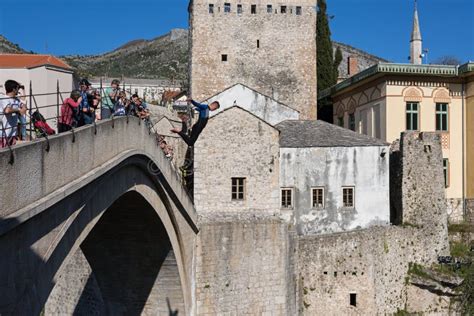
[416, 41]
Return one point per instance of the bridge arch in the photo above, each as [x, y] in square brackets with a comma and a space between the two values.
[65, 223]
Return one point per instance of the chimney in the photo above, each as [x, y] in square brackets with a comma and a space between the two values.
[352, 65]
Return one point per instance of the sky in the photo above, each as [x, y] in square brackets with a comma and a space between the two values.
[380, 27]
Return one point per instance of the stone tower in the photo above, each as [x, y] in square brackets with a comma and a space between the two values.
[416, 41]
[269, 46]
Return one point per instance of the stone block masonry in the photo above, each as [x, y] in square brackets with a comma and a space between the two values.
[270, 49]
[243, 266]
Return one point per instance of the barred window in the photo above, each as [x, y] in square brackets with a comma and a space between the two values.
[283, 9]
[269, 8]
[298, 10]
[226, 7]
[348, 197]
[317, 198]
[239, 9]
[211, 8]
[238, 188]
[287, 198]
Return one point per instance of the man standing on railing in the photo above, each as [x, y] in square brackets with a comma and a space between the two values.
[11, 108]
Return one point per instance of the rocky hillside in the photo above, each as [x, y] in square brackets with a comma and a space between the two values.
[165, 57]
[7, 47]
[162, 57]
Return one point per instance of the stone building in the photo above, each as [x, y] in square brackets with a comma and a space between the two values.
[231, 174]
[269, 46]
[332, 179]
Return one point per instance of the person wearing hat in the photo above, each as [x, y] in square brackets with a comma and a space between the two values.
[86, 113]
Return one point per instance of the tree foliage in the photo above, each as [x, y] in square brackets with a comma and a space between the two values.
[327, 65]
[447, 60]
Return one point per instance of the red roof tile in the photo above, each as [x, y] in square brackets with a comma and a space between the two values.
[30, 61]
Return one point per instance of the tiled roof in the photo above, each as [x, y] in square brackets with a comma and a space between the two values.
[30, 61]
[301, 134]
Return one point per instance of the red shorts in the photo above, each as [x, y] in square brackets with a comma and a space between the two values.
[4, 142]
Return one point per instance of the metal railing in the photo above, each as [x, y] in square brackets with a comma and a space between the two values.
[9, 134]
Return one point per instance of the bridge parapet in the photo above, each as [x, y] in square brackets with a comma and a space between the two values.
[40, 177]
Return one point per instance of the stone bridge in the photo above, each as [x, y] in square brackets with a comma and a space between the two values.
[94, 222]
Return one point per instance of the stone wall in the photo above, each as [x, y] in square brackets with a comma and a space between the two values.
[243, 266]
[274, 53]
[372, 264]
[235, 143]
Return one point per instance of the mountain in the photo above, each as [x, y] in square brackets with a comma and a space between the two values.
[7, 47]
[163, 57]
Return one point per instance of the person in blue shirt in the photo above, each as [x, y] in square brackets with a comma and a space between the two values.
[197, 128]
[86, 113]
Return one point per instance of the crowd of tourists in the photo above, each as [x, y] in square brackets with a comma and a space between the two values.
[84, 106]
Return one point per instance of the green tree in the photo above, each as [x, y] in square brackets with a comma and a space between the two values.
[327, 65]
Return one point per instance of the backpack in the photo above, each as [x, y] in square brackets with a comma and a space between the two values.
[41, 127]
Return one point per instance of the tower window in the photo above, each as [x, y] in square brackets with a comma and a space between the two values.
[239, 9]
[224, 57]
[253, 9]
[353, 299]
[283, 9]
[269, 8]
[258, 43]
[298, 10]
[211, 8]
[226, 7]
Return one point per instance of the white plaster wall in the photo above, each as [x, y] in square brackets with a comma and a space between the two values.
[260, 105]
[334, 168]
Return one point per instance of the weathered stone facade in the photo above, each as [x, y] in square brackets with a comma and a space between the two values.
[249, 149]
[274, 53]
[244, 266]
[331, 169]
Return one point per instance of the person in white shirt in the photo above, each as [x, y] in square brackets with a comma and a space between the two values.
[11, 108]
